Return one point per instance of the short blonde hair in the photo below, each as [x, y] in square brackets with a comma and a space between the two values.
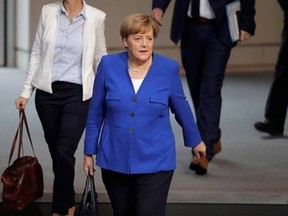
[136, 23]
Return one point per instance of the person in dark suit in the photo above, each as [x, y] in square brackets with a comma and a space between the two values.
[128, 125]
[277, 102]
[205, 49]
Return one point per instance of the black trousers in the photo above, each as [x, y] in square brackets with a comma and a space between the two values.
[137, 194]
[277, 102]
[63, 117]
[204, 59]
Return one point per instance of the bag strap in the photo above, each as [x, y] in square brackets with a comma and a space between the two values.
[19, 135]
[14, 144]
[28, 131]
[90, 187]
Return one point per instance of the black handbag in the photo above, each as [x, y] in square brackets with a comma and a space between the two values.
[89, 204]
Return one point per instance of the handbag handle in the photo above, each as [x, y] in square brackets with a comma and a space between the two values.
[19, 135]
[90, 187]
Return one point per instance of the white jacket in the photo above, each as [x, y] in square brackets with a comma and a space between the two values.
[41, 60]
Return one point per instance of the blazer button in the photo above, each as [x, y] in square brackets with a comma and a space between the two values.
[134, 99]
[130, 130]
[132, 114]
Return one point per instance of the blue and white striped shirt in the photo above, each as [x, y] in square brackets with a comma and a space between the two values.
[69, 48]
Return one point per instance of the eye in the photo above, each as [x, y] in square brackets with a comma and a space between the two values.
[137, 38]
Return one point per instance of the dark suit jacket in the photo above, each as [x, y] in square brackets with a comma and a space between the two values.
[245, 18]
[283, 4]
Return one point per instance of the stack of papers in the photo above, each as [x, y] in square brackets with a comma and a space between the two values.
[231, 10]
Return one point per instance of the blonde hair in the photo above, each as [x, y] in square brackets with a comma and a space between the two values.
[136, 23]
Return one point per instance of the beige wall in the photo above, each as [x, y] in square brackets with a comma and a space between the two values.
[258, 54]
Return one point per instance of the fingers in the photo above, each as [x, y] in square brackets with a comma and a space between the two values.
[197, 155]
[21, 102]
[89, 170]
[88, 165]
[92, 171]
[244, 36]
[157, 14]
[202, 154]
[200, 150]
[20, 106]
[86, 171]
[159, 20]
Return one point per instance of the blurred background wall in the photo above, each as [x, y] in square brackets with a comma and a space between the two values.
[21, 19]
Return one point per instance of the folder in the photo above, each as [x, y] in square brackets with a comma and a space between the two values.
[232, 9]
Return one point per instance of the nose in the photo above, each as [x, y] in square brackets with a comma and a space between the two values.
[144, 43]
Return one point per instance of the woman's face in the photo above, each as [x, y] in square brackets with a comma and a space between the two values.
[139, 46]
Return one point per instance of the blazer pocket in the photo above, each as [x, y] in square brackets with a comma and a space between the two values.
[112, 101]
[113, 96]
[159, 105]
[161, 99]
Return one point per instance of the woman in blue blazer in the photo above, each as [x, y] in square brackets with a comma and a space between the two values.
[128, 125]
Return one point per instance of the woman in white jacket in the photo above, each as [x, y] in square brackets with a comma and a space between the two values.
[68, 46]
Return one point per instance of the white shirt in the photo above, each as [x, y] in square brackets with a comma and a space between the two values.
[68, 52]
[205, 10]
[41, 59]
[136, 84]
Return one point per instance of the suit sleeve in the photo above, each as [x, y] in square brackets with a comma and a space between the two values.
[247, 22]
[181, 109]
[163, 4]
[100, 48]
[96, 112]
[35, 57]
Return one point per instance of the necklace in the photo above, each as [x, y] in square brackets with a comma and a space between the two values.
[139, 70]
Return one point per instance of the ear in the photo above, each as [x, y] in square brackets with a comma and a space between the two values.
[125, 44]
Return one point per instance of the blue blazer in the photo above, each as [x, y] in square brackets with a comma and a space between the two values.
[131, 132]
[245, 17]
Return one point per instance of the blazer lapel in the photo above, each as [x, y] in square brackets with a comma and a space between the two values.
[149, 79]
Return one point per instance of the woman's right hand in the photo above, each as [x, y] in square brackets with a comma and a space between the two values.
[200, 150]
[88, 165]
[21, 102]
